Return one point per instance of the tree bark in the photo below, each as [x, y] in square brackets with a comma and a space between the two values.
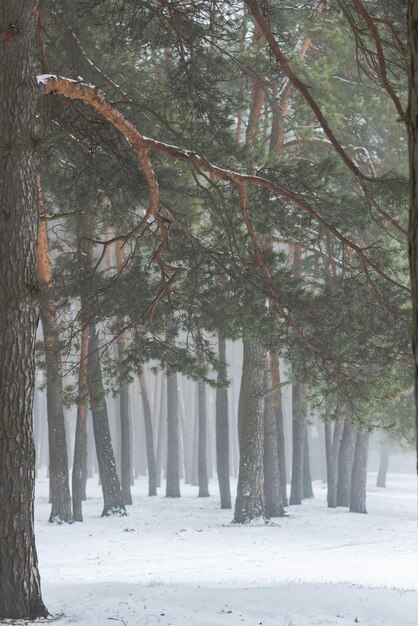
[298, 439]
[20, 592]
[112, 493]
[202, 461]
[125, 429]
[333, 465]
[249, 503]
[222, 432]
[79, 477]
[345, 464]
[359, 477]
[173, 455]
[278, 409]
[149, 438]
[307, 480]
[272, 483]
[59, 486]
[383, 466]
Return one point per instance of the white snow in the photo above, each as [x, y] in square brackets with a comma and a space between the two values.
[178, 561]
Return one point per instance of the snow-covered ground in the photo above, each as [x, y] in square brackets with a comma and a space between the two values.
[178, 561]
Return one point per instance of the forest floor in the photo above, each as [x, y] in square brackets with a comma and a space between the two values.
[179, 562]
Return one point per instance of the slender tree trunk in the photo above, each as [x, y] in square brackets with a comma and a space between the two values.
[125, 429]
[173, 454]
[20, 592]
[359, 477]
[272, 483]
[149, 437]
[222, 432]
[298, 439]
[162, 430]
[345, 464]
[333, 464]
[307, 480]
[79, 477]
[112, 493]
[383, 466]
[60, 497]
[278, 409]
[202, 461]
[249, 503]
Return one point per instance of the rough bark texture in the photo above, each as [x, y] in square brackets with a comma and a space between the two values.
[413, 182]
[149, 438]
[59, 486]
[79, 476]
[249, 503]
[298, 439]
[112, 493]
[278, 409]
[272, 483]
[345, 464]
[359, 476]
[383, 467]
[222, 433]
[173, 453]
[307, 480]
[202, 461]
[333, 464]
[20, 594]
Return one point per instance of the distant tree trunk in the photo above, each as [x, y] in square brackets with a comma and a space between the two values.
[383, 466]
[112, 493]
[149, 437]
[222, 432]
[20, 591]
[298, 439]
[307, 480]
[359, 477]
[173, 454]
[60, 497]
[249, 503]
[79, 477]
[202, 462]
[278, 409]
[125, 429]
[272, 483]
[345, 464]
[162, 430]
[333, 464]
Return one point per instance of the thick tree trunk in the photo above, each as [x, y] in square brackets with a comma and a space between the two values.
[307, 480]
[383, 467]
[222, 432]
[249, 503]
[333, 465]
[278, 409]
[149, 438]
[59, 486]
[173, 449]
[79, 477]
[298, 439]
[112, 493]
[345, 464]
[125, 430]
[202, 461]
[20, 593]
[272, 483]
[359, 477]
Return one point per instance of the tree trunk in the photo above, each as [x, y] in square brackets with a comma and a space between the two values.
[173, 455]
[202, 461]
[307, 480]
[125, 429]
[278, 409]
[162, 430]
[272, 483]
[79, 477]
[149, 438]
[359, 477]
[383, 467]
[112, 493]
[60, 497]
[345, 464]
[298, 439]
[249, 503]
[222, 432]
[333, 465]
[20, 592]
